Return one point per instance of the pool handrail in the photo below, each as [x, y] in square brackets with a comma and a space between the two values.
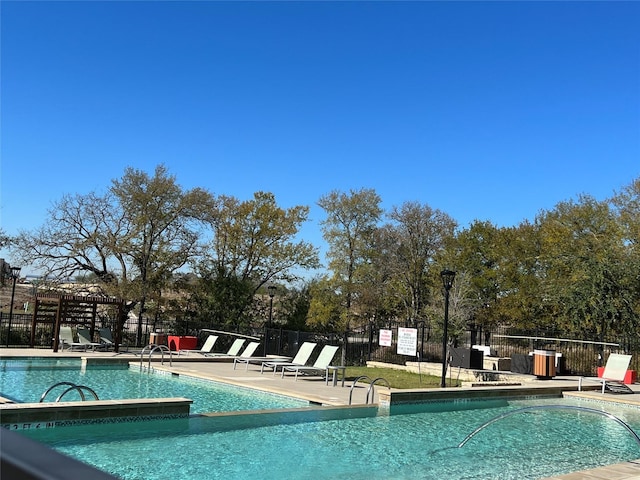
[372, 388]
[46, 392]
[72, 386]
[153, 347]
[361, 377]
[549, 407]
[79, 388]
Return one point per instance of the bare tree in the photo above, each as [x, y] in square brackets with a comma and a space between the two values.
[131, 239]
[419, 234]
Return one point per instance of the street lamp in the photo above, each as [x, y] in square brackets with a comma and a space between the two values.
[272, 293]
[15, 274]
[447, 282]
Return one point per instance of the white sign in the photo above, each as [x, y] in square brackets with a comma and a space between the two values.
[385, 338]
[407, 341]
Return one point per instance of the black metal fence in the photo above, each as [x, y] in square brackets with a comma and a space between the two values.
[15, 331]
[580, 356]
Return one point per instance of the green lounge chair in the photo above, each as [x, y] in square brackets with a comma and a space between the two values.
[84, 338]
[65, 338]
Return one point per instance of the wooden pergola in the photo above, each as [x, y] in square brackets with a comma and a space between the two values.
[72, 310]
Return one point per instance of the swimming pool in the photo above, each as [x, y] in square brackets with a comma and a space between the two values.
[25, 381]
[419, 441]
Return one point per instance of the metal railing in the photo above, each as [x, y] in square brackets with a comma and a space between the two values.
[579, 356]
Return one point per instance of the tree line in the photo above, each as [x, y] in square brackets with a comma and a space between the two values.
[191, 254]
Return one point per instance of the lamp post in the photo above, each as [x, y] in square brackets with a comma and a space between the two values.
[15, 274]
[447, 282]
[272, 293]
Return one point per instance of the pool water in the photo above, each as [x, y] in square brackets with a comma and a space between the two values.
[26, 381]
[421, 442]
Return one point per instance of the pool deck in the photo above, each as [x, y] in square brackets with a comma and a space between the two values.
[316, 391]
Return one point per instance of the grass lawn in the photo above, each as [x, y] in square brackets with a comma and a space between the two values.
[397, 378]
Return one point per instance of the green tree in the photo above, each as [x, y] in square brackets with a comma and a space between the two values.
[221, 300]
[478, 263]
[254, 243]
[521, 301]
[325, 308]
[162, 229]
[294, 307]
[349, 230]
[627, 205]
[583, 253]
[627, 208]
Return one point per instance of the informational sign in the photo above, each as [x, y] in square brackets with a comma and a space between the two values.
[385, 338]
[407, 341]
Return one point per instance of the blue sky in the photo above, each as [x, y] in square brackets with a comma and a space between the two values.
[484, 110]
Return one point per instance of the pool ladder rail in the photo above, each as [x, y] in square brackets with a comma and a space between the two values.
[370, 390]
[72, 386]
[152, 348]
[552, 407]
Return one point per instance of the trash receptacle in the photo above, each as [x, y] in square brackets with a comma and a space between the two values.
[544, 363]
[156, 338]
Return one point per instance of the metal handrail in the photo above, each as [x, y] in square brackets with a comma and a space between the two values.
[162, 349]
[153, 347]
[150, 346]
[54, 386]
[354, 384]
[72, 386]
[372, 388]
[547, 407]
[79, 388]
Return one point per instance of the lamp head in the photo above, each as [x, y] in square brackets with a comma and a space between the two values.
[447, 279]
[272, 290]
[15, 272]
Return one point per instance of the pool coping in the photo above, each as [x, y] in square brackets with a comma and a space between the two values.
[24, 416]
[395, 397]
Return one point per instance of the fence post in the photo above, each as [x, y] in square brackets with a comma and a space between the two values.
[345, 344]
[266, 339]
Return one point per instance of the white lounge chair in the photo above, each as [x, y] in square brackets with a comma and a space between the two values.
[319, 368]
[301, 358]
[66, 339]
[234, 349]
[304, 352]
[250, 350]
[614, 373]
[246, 353]
[207, 346]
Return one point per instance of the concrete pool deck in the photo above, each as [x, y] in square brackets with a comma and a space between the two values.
[316, 391]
